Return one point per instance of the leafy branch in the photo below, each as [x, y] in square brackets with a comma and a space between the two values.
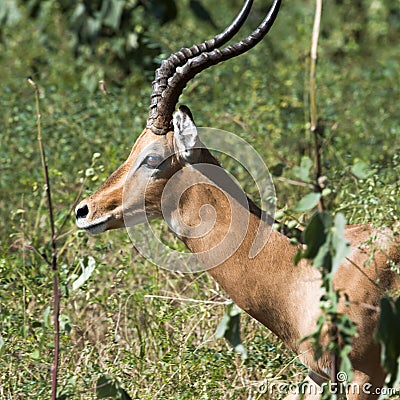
[323, 236]
[326, 247]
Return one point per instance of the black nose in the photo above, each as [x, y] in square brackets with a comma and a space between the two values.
[82, 212]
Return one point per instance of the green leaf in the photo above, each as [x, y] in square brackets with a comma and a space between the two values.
[222, 326]
[388, 333]
[77, 18]
[308, 202]
[229, 328]
[232, 334]
[86, 273]
[362, 170]
[340, 245]
[111, 12]
[1, 346]
[65, 323]
[317, 238]
[35, 355]
[9, 12]
[345, 363]
[326, 244]
[46, 317]
[234, 310]
[91, 29]
[323, 258]
[303, 171]
[108, 387]
[316, 233]
[298, 256]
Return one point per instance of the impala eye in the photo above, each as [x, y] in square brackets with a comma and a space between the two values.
[152, 160]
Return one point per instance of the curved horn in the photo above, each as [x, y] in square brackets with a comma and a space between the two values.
[160, 114]
[168, 67]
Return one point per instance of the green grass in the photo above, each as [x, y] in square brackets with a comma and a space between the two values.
[117, 323]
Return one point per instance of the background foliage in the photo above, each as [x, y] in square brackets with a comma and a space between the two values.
[114, 324]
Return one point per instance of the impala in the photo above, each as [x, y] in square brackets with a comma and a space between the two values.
[268, 286]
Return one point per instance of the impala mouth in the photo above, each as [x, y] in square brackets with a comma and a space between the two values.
[97, 226]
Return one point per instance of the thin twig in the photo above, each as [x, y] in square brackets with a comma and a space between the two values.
[383, 291]
[313, 65]
[151, 296]
[294, 182]
[313, 97]
[56, 294]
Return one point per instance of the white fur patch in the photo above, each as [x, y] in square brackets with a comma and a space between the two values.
[185, 134]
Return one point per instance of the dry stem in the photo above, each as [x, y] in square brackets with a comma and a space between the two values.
[53, 262]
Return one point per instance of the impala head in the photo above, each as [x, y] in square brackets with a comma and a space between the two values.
[170, 141]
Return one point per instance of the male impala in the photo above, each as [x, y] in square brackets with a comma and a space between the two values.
[282, 296]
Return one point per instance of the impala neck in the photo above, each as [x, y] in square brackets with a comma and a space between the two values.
[243, 277]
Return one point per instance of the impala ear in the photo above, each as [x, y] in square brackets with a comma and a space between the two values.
[187, 140]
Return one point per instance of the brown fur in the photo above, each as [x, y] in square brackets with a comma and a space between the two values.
[282, 296]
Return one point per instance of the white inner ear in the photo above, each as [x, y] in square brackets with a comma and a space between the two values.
[186, 138]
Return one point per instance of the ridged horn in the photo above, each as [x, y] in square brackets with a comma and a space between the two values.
[175, 72]
[157, 121]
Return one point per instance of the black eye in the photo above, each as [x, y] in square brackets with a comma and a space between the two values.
[152, 160]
